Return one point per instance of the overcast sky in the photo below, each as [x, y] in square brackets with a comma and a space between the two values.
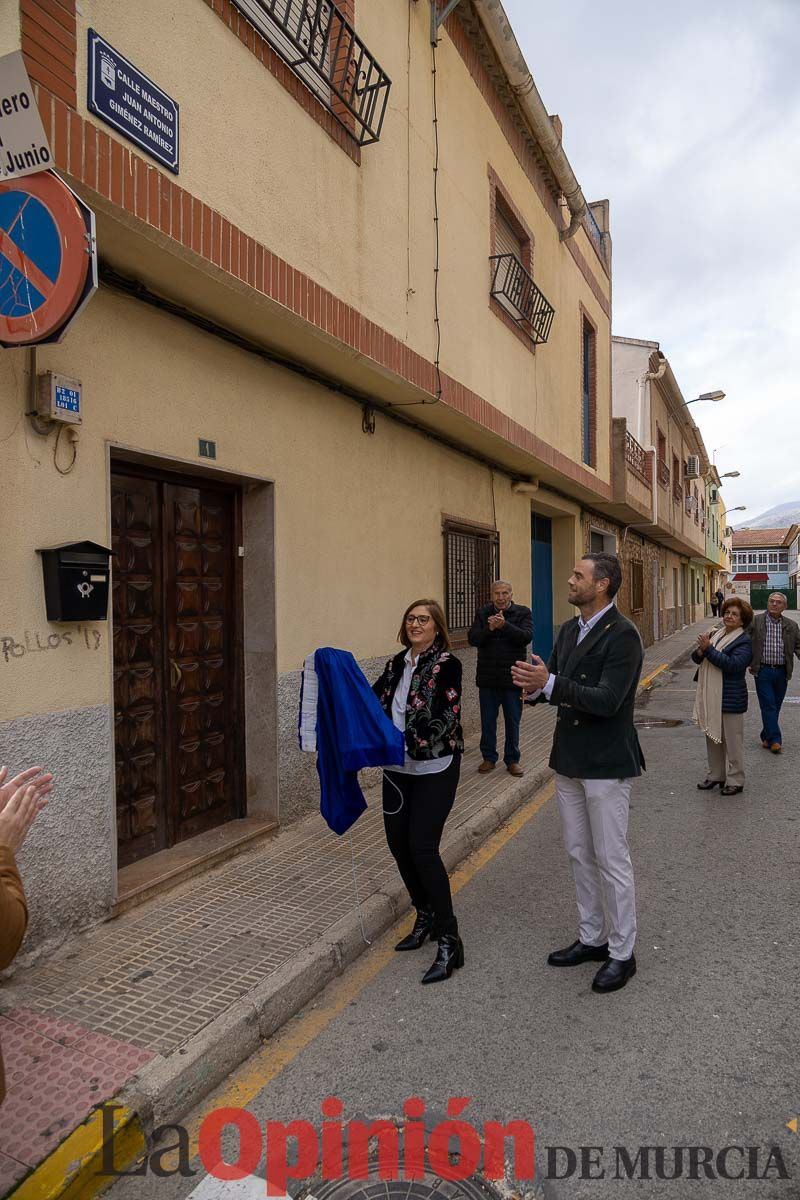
[686, 116]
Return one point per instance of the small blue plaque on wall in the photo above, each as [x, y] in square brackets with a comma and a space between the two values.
[126, 99]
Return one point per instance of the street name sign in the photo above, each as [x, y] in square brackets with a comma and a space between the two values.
[123, 97]
[24, 149]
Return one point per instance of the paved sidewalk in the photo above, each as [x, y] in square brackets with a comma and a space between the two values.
[161, 1003]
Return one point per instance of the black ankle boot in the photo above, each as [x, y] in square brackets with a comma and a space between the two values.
[449, 956]
[423, 927]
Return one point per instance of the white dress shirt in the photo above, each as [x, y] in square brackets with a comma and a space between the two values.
[584, 628]
[412, 766]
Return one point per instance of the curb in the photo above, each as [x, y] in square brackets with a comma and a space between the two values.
[168, 1088]
[71, 1172]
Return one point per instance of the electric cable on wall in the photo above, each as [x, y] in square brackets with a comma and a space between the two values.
[436, 258]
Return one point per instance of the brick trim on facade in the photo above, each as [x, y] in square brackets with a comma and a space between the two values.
[114, 171]
[49, 31]
[586, 272]
[258, 45]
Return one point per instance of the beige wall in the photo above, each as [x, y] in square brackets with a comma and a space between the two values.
[357, 517]
[9, 26]
[367, 232]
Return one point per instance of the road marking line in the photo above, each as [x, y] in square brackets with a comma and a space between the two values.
[211, 1188]
[648, 679]
[251, 1077]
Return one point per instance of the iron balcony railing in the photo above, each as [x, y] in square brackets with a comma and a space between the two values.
[636, 457]
[663, 473]
[322, 48]
[523, 301]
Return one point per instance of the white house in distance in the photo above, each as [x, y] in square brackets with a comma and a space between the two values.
[762, 556]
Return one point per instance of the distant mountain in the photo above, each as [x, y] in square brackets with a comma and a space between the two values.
[779, 517]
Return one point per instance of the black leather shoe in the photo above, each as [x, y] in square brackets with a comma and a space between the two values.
[577, 953]
[708, 785]
[449, 956]
[614, 974]
[730, 790]
[421, 931]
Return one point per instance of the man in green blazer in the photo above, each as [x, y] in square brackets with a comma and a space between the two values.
[592, 677]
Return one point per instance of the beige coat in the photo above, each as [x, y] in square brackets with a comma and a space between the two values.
[13, 922]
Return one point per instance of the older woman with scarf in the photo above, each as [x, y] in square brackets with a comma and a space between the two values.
[721, 701]
[420, 692]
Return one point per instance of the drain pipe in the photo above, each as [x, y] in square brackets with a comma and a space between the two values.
[642, 381]
[506, 47]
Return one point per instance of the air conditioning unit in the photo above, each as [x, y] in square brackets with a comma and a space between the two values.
[693, 466]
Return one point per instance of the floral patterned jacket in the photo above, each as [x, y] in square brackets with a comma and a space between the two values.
[433, 708]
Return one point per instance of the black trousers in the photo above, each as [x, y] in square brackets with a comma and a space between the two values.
[414, 833]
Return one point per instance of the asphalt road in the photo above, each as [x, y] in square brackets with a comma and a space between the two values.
[700, 1049]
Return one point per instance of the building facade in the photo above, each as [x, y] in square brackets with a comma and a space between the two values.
[718, 535]
[350, 352]
[659, 481]
[762, 556]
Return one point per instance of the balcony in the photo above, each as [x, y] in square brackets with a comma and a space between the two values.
[324, 51]
[635, 500]
[631, 477]
[513, 287]
[636, 458]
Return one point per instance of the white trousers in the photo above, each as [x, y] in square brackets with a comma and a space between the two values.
[594, 822]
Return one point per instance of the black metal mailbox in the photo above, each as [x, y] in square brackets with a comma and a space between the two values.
[76, 580]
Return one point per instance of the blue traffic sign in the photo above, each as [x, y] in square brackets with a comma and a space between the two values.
[48, 258]
[28, 276]
[136, 107]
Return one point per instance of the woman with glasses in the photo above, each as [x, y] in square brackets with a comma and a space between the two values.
[420, 690]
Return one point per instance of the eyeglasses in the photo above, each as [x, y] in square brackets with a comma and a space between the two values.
[414, 620]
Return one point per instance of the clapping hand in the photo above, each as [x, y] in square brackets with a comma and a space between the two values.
[530, 676]
[496, 621]
[703, 642]
[20, 808]
[42, 783]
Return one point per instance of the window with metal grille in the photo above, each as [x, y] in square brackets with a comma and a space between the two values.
[637, 585]
[471, 565]
[319, 44]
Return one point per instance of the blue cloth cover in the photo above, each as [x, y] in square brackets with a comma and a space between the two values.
[352, 732]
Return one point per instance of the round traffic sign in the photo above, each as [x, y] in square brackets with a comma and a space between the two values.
[44, 257]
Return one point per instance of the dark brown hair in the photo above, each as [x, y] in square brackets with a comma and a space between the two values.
[439, 620]
[742, 605]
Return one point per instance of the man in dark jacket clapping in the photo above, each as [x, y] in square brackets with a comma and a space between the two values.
[501, 631]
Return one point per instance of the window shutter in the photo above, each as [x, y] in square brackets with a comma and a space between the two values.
[507, 241]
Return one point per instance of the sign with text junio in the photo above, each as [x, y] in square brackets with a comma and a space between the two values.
[136, 107]
[23, 142]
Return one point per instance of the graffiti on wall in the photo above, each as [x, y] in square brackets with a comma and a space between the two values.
[13, 648]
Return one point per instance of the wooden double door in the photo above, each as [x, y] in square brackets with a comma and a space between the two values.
[177, 659]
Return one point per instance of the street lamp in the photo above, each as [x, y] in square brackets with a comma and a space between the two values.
[730, 475]
[712, 396]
